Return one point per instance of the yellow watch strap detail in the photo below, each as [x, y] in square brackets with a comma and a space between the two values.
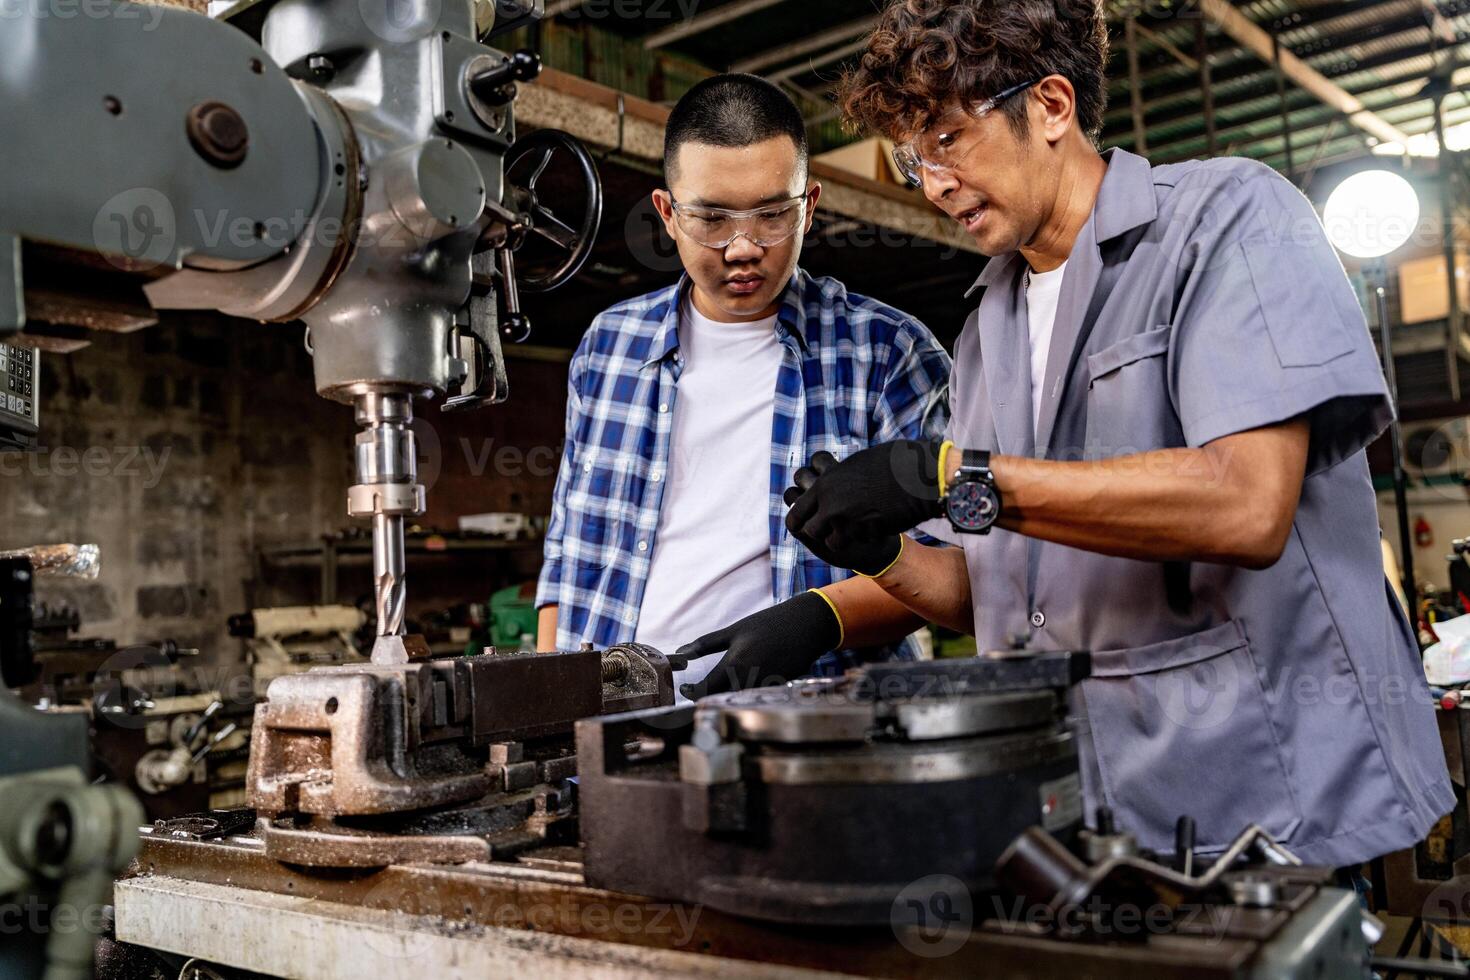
[944, 467]
[888, 567]
[841, 630]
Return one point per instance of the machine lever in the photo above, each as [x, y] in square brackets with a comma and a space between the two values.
[516, 327]
[495, 86]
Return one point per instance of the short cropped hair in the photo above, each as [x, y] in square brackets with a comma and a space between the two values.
[733, 110]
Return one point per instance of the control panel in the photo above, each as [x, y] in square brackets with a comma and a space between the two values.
[20, 377]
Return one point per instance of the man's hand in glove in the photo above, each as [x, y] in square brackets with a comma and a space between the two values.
[769, 647]
[850, 514]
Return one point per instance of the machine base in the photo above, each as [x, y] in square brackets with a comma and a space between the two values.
[227, 903]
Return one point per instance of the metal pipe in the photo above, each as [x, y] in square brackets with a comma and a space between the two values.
[1379, 271]
[1281, 100]
[1206, 87]
[1453, 325]
[1135, 87]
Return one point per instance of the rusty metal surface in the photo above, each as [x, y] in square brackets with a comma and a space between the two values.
[558, 903]
[349, 740]
[69, 288]
[450, 760]
[635, 676]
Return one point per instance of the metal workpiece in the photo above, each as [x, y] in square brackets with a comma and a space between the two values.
[452, 759]
[770, 799]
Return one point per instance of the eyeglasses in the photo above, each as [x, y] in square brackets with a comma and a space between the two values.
[765, 226]
[942, 147]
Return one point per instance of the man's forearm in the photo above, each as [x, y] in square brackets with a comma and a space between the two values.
[546, 629]
[925, 585]
[932, 582]
[1231, 502]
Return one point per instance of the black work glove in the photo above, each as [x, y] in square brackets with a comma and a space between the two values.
[844, 546]
[870, 497]
[772, 646]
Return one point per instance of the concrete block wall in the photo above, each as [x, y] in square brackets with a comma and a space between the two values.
[179, 449]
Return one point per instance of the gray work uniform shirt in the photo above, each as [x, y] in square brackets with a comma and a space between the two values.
[1200, 300]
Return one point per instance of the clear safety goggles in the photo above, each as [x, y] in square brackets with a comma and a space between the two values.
[944, 144]
[765, 226]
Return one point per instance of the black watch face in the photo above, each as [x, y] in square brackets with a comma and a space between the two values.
[972, 505]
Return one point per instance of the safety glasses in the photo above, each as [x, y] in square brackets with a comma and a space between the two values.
[765, 226]
[945, 144]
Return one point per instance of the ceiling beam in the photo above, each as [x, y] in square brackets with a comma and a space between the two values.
[1242, 86]
[1261, 102]
[1266, 144]
[789, 52]
[1439, 25]
[1379, 97]
[1180, 84]
[1166, 45]
[836, 54]
[1251, 37]
[1309, 39]
[700, 23]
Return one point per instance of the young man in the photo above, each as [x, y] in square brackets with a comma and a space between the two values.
[1164, 397]
[690, 409]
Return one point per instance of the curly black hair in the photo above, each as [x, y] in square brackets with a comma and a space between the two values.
[927, 55]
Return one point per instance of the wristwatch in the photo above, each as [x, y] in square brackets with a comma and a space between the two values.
[972, 502]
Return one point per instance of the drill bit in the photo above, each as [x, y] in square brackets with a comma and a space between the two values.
[389, 574]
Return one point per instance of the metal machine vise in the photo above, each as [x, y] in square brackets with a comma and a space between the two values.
[451, 760]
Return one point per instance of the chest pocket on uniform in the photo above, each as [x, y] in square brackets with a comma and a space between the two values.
[1128, 405]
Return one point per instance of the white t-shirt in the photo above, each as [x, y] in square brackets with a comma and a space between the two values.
[711, 562]
[1042, 295]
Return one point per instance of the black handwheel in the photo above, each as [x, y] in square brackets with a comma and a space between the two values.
[536, 219]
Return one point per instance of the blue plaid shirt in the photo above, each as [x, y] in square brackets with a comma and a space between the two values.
[854, 373]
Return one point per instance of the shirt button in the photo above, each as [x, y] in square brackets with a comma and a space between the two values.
[1038, 619]
[642, 545]
[663, 408]
[586, 467]
[656, 477]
